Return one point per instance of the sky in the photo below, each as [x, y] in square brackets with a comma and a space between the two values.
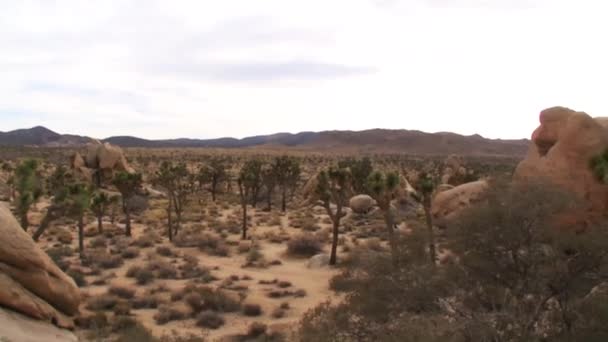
[208, 69]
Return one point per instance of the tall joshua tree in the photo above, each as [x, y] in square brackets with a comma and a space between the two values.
[247, 181]
[79, 201]
[28, 185]
[427, 187]
[269, 179]
[179, 184]
[334, 186]
[213, 173]
[127, 184]
[384, 188]
[288, 172]
[99, 205]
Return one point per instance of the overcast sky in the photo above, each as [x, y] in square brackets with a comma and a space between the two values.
[205, 69]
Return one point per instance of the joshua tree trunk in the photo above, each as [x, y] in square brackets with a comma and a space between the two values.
[244, 237]
[336, 230]
[24, 221]
[44, 224]
[128, 219]
[169, 221]
[429, 227]
[390, 229]
[100, 223]
[213, 189]
[284, 200]
[269, 200]
[81, 236]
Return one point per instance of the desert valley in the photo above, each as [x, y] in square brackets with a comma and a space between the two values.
[335, 237]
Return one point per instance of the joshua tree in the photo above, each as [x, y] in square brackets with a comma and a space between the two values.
[99, 205]
[57, 185]
[79, 201]
[179, 183]
[27, 182]
[334, 185]
[214, 173]
[247, 181]
[384, 188]
[127, 184]
[269, 179]
[287, 171]
[360, 170]
[427, 187]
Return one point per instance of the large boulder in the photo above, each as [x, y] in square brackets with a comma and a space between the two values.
[361, 204]
[446, 205]
[30, 282]
[106, 158]
[560, 152]
[19, 328]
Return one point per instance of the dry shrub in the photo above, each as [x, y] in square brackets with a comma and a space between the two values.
[122, 292]
[102, 302]
[304, 245]
[130, 252]
[252, 310]
[210, 320]
[167, 314]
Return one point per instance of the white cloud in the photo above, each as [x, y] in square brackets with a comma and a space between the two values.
[163, 69]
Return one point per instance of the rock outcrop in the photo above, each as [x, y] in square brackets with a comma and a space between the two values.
[448, 204]
[561, 150]
[30, 282]
[16, 327]
[361, 204]
[102, 157]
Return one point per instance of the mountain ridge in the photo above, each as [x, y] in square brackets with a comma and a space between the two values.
[375, 140]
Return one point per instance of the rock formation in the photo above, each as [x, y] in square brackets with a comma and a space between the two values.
[561, 150]
[448, 204]
[30, 282]
[102, 157]
[361, 204]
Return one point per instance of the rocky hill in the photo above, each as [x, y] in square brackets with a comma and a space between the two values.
[368, 141]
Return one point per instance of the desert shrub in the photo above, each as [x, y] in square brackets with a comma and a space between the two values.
[252, 310]
[208, 299]
[209, 319]
[122, 324]
[122, 292]
[122, 308]
[133, 271]
[78, 277]
[65, 237]
[278, 313]
[304, 245]
[134, 333]
[283, 284]
[98, 242]
[256, 329]
[146, 302]
[164, 251]
[102, 302]
[130, 252]
[145, 241]
[300, 293]
[97, 320]
[167, 314]
[107, 261]
[162, 269]
[144, 276]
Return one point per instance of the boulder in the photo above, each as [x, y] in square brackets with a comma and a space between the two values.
[15, 327]
[103, 156]
[560, 152]
[30, 282]
[448, 204]
[318, 261]
[361, 204]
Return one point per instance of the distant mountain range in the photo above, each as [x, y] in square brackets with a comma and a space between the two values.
[368, 141]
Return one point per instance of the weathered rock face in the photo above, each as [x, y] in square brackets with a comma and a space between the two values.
[30, 283]
[561, 150]
[100, 156]
[361, 204]
[448, 204]
[18, 328]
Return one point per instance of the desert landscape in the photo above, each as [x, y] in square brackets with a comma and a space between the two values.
[303, 171]
[253, 244]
